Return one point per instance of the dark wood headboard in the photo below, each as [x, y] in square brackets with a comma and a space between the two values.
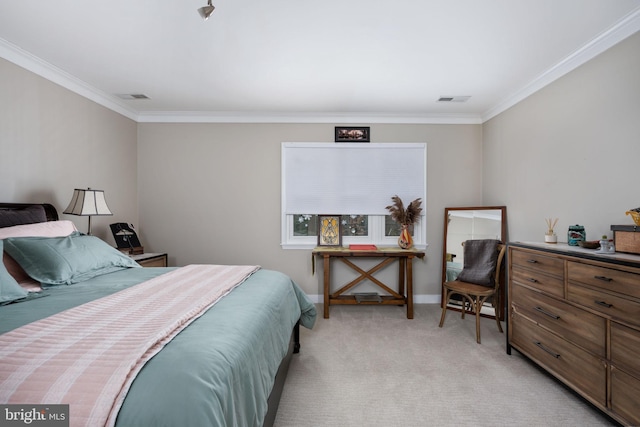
[50, 211]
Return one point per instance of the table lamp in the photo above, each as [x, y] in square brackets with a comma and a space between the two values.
[89, 203]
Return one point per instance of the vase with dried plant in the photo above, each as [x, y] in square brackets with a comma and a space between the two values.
[550, 236]
[406, 218]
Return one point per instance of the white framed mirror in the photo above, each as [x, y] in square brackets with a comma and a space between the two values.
[470, 223]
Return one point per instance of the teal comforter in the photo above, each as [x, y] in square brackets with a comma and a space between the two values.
[219, 371]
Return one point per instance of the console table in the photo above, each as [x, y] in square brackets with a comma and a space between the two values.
[387, 256]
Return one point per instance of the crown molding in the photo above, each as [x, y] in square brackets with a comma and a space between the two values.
[624, 28]
[293, 117]
[26, 60]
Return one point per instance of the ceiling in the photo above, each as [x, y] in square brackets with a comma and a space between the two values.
[342, 61]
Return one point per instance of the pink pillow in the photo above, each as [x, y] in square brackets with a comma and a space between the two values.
[40, 229]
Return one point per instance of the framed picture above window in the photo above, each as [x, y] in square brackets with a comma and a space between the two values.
[352, 134]
[329, 230]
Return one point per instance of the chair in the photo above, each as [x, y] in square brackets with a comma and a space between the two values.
[476, 294]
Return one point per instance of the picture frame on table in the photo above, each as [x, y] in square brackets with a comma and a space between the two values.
[352, 134]
[329, 230]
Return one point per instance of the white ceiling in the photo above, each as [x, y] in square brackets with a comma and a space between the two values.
[345, 61]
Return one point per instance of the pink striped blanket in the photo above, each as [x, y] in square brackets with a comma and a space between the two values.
[88, 356]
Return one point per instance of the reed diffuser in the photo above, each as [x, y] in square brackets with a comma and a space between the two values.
[550, 236]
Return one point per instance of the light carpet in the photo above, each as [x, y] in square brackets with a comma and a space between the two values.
[371, 366]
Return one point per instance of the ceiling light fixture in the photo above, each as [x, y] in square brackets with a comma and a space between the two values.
[206, 11]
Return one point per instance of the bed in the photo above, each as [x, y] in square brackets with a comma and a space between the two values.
[200, 345]
[453, 269]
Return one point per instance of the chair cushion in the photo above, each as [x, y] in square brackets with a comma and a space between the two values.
[480, 258]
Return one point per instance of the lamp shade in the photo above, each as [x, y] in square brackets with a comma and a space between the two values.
[87, 202]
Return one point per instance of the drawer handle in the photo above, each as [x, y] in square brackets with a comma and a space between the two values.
[546, 313]
[604, 304]
[532, 261]
[604, 278]
[531, 279]
[554, 354]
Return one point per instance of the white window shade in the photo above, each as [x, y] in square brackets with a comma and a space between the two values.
[351, 178]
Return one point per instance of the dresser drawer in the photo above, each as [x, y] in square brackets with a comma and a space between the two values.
[578, 326]
[606, 278]
[609, 304]
[625, 396]
[625, 348]
[543, 282]
[581, 370]
[536, 262]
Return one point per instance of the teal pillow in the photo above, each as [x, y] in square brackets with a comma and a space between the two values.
[10, 290]
[66, 260]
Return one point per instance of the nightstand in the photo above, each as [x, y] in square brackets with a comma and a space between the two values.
[150, 259]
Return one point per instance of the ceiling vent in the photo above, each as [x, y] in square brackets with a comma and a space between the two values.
[133, 96]
[453, 98]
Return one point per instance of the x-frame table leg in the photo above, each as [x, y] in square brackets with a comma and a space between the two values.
[367, 275]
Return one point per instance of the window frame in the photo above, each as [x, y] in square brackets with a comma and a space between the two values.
[376, 235]
[376, 221]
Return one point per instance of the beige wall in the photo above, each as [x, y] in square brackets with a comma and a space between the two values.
[571, 150]
[210, 193]
[53, 140]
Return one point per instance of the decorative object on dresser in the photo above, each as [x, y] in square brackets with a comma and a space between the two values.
[626, 238]
[577, 315]
[589, 244]
[576, 234]
[89, 203]
[550, 236]
[635, 215]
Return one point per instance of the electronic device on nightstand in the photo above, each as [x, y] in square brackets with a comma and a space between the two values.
[126, 238]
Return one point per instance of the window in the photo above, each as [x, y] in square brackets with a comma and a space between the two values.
[352, 225]
[328, 178]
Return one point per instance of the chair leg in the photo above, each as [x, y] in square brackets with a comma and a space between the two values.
[470, 307]
[478, 304]
[497, 315]
[467, 305]
[447, 295]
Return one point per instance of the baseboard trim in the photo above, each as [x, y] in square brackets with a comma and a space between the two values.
[417, 299]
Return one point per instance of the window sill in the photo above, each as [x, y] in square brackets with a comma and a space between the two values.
[308, 246]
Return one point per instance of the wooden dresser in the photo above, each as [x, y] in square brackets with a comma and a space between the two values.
[577, 314]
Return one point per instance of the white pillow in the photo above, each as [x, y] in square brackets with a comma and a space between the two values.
[41, 229]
